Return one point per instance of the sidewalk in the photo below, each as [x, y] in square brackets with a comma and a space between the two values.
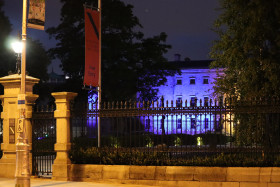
[4, 182]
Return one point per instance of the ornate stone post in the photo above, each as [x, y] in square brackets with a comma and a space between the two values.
[62, 163]
[10, 116]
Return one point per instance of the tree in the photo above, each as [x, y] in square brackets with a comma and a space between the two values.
[37, 60]
[248, 48]
[6, 55]
[249, 52]
[130, 62]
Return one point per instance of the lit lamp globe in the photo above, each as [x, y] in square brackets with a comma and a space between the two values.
[17, 47]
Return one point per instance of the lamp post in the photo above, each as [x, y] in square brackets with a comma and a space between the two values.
[17, 47]
[22, 173]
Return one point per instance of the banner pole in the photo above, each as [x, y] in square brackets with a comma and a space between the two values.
[99, 88]
[22, 172]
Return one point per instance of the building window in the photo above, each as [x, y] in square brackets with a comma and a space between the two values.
[192, 80]
[205, 80]
[179, 81]
[206, 101]
[179, 123]
[193, 123]
[179, 101]
[193, 101]
[147, 123]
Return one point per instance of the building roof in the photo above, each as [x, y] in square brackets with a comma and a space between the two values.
[193, 64]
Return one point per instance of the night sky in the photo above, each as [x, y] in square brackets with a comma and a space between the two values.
[187, 23]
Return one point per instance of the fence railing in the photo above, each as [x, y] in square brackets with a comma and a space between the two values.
[182, 130]
[43, 140]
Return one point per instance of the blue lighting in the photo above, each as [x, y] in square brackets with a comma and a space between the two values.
[193, 87]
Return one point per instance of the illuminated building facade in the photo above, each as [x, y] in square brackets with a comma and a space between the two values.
[193, 87]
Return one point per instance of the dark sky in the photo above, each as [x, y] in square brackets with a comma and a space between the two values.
[187, 23]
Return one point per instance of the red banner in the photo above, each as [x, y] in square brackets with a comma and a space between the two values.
[92, 47]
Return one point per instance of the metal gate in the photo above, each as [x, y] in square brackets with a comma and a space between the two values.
[43, 140]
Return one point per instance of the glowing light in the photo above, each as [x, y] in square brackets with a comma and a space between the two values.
[199, 141]
[17, 46]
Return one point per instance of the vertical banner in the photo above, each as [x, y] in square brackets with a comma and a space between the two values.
[36, 14]
[92, 47]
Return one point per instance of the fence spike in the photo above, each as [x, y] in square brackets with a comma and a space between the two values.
[125, 105]
[161, 102]
[113, 105]
[153, 106]
[210, 102]
[108, 105]
[166, 103]
[157, 103]
[186, 103]
[148, 104]
[200, 102]
[121, 105]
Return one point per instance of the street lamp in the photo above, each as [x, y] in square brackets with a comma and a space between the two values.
[22, 173]
[17, 47]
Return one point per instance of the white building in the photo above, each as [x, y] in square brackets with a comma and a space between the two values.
[195, 82]
[193, 87]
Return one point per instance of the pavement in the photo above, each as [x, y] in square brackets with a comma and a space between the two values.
[5, 182]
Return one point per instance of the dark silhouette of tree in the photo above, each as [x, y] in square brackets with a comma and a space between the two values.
[6, 54]
[130, 62]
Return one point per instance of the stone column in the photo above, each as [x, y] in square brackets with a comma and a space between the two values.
[62, 163]
[10, 116]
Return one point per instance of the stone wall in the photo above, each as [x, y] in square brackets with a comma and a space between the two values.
[179, 175]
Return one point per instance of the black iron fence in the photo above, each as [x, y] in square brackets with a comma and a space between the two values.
[172, 133]
[43, 140]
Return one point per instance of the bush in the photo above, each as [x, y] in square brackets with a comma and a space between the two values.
[132, 156]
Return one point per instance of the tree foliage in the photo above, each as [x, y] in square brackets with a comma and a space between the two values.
[248, 48]
[130, 62]
[6, 55]
[37, 60]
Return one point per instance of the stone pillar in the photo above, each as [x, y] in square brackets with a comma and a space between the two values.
[10, 116]
[62, 163]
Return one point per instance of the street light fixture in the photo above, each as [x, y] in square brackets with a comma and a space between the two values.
[22, 174]
[17, 47]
